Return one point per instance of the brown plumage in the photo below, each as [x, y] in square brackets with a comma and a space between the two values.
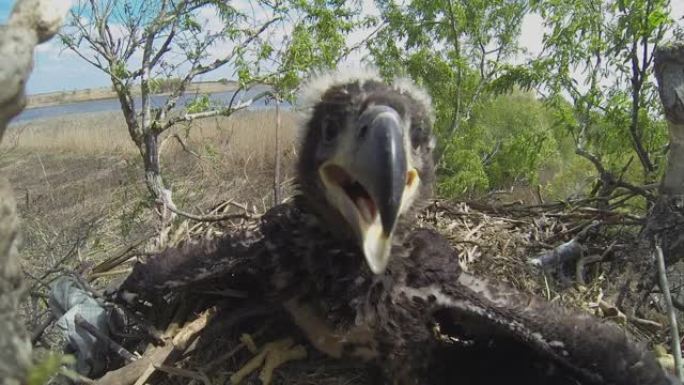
[416, 314]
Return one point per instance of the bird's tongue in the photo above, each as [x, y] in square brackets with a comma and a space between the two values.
[366, 208]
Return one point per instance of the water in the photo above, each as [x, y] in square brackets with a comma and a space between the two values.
[104, 105]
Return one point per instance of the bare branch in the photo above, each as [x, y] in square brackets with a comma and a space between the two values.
[674, 330]
[165, 46]
[111, 344]
[209, 218]
[205, 114]
[181, 142]
[219, 62]
[363, 41]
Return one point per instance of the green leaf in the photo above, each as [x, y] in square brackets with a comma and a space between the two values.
[48, 367]
[199, 104]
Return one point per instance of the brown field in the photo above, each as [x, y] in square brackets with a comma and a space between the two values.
[78, 179]
[55, 156]
[64, 97]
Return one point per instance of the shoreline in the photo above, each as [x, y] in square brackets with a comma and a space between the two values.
[52, 99]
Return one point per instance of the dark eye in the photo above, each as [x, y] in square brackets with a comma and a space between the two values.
[331, 129]
[363, 131]
[416, 137]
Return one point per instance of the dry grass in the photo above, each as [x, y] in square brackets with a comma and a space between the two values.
[94, 133]
[74, 159]
[246, 138]
[246, 135]
[78, 180]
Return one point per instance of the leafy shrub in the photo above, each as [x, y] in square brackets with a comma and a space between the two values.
[507, 141]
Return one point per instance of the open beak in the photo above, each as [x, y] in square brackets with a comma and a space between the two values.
[371, 182]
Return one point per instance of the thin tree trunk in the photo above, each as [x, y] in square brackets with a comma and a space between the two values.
[667, 217]
[669, 68]
[150, 154]
[155, 184]
[635, 132]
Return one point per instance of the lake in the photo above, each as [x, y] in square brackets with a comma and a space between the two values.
[103, 105]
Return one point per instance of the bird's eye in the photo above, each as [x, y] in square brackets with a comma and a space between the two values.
[363, 131]
[416, 138]
[331, 129]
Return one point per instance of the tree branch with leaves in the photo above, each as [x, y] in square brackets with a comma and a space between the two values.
[136, 42]
[596, 71]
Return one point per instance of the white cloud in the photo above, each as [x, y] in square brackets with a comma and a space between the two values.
[532, 33]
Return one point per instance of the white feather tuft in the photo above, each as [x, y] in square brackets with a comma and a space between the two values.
[419, 94]
[313, 89]
[319, 83]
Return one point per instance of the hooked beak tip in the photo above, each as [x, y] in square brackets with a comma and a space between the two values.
[377, 249]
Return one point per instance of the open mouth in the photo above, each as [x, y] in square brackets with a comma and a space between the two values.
[354, 191]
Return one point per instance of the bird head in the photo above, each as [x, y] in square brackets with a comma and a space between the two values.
[366, 156]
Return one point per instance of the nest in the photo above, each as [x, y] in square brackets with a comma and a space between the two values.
[582, 257]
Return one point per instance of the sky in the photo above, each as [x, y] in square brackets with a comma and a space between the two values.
[58, 70]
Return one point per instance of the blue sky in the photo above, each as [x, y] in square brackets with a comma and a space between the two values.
[5, 6]
[59, 70]
[56, 69]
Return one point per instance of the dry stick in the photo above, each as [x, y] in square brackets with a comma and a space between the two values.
[180, 341]
[221, 208]
[674, 331]
[198, 376]
[47, 182]
[38, 332]
[208, 218]
[111, 344]
[102, 301]
[110, 273]
[120, 255]
[128, 374]
[645, 322]
[585, 260]
[141, 370]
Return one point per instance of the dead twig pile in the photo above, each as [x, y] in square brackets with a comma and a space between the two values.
[578, 255]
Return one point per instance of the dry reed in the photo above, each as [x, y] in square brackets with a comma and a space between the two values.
[245, 136]
[82, 168]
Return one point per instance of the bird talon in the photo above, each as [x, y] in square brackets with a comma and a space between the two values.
[271, 356]
[248, 341]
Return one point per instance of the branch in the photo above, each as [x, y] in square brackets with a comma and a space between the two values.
[219, 62]
[205, 114]
[38, 332]
[593, 159]
[165, 46]
[111, 344]
[208, 218]
[674, 330]
[363, 41]
[144, 367]
[608, 179]
[181, 142]
[198, 69]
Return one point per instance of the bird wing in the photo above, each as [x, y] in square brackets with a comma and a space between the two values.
[192, 264]
[475, 308]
